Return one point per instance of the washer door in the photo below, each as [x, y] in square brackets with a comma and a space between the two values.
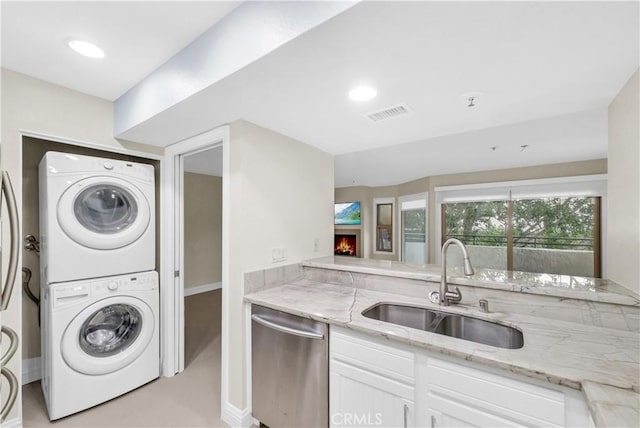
[108, 335]
[103, 213]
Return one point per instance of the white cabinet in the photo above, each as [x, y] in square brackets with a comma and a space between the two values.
[370, 384]
[377, 382]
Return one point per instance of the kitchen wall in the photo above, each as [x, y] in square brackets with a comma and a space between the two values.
[281, 196]
[623, 240]
[202, 229]
[428, 184]
[30, 104]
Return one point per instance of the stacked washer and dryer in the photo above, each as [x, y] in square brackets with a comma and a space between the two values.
[100, 298]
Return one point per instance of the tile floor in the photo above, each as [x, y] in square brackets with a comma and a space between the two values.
[190, 399]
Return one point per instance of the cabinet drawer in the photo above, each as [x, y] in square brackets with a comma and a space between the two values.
[371, 355]
[523, 402]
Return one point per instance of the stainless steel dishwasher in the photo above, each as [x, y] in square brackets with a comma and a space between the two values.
[290, 369]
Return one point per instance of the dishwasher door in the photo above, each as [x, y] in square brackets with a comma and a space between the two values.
[290, 370]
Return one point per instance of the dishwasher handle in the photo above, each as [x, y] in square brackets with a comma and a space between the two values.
[284, 329]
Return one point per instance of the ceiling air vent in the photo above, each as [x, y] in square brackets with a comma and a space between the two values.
[389, 113]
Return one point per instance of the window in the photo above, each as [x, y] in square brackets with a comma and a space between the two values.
[383, 221]
[413, 228]
[541, 227]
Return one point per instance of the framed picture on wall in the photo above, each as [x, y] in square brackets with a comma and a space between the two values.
[384, 218]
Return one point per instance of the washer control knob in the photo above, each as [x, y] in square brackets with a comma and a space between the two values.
[112, 286]
[108, 165]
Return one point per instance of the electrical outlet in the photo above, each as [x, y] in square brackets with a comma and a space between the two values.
[278, 254]
[316, 245]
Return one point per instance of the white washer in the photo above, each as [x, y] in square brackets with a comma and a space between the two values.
[100, 339]
[97, 217]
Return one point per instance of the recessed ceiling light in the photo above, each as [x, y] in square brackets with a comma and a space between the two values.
[362, 93]
[86, 48]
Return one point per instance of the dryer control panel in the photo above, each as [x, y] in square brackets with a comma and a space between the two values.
[67, 163]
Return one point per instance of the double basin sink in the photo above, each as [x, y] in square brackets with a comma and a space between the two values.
[448, 324]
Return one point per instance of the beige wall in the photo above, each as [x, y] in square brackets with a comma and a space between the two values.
[428, 184]
[34, 105]
[281, 195]
[623, 239]
[202, 229]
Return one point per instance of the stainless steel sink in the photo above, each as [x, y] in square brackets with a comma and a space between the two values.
[480, 331]
[452, 325]
[407, 316]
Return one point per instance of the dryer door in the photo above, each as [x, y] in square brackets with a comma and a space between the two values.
[108, 335]
[103, 213]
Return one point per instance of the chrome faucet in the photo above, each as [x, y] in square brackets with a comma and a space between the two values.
[446, 296]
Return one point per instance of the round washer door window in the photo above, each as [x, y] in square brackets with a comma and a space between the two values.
[108, 335]
[103, 213]
[110, 330]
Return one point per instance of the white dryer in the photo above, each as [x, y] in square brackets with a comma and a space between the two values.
[97, 217]
[100, 339]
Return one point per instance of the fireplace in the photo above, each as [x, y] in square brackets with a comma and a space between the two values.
[346, 244]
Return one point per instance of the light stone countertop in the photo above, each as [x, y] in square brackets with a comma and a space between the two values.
[612, 407]
[573, 287]
[605, 363]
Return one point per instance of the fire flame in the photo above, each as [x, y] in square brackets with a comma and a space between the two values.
[343, 247]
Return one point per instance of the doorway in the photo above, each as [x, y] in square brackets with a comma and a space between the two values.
[202, 244]
[190, 152]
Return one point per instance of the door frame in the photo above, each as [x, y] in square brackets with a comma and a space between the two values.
[173, 206]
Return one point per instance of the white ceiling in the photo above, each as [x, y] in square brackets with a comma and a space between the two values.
[531, 60]
[208, 162]
[567, 138]
[137, 37]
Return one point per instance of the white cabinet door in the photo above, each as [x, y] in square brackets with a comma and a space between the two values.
[356, 402]
[370, 383]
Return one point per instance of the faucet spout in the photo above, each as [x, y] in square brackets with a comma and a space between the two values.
[445, 295]
[468, 269]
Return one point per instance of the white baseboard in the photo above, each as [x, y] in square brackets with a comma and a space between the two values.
[190, 291]
[13, 423]
[235, 417]
[31, 370]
